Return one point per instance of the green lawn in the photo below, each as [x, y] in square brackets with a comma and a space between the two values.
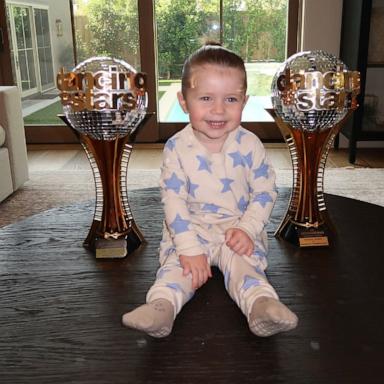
[168, 82]
[47, 115]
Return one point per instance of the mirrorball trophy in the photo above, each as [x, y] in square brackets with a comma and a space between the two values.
[313, 93]
[104, 101]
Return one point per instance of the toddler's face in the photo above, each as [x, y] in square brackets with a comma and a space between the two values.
[214, 101]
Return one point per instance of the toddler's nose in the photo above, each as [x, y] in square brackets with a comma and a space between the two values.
[218, 107]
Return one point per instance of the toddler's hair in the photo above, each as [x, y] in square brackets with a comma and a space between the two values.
[211, 53]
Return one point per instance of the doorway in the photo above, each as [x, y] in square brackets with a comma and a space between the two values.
[30, 45]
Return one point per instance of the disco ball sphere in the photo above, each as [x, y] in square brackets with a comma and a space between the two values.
[103, 97]
[310, 92]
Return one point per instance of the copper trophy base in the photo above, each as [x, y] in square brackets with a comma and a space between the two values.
[306, 223]
[113, 233]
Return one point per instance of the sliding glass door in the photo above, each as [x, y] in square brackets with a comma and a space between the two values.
[23, 55]
[30, 48]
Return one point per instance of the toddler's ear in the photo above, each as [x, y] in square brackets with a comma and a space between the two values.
[246, 99]
[182, 102]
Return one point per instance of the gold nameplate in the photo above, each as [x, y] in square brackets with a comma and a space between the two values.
[313, 238]
[111, 248]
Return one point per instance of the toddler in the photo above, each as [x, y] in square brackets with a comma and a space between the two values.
[218, 191]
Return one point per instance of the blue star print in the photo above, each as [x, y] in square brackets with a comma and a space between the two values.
[263, 199]
[176, 287]
[250, 282]
[205, 165]
[179, 225]
[161, 272]
[239, 135]
[170, 144]
[259, 271]
[242, 204]
[260, 253]
[248, 159]
[170, 250]
[211, 208]
[191, 187]
[262, 171]
[174, 183]
[202, 240]
[226, 184]
[237, 158]
[226, 278]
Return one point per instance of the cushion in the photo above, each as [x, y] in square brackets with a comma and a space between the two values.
[2, 136]
[6, 185]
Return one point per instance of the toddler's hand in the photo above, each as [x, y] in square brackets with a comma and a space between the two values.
[238, 241]
[199, 268]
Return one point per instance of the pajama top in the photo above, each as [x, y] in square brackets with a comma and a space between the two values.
[206, 193]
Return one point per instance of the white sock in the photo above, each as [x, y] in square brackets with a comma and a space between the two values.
[155, 318]
[269, 316]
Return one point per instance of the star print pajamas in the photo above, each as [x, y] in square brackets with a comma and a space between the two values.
[204, 194]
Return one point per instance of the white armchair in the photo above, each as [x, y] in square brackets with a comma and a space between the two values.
[13, 150]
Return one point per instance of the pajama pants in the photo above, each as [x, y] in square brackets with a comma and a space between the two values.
[244, 276]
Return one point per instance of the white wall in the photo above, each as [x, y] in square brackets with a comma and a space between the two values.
[321, 29]
[321, 25]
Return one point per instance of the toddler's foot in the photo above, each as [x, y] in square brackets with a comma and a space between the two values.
[155, 318]
[269, 316]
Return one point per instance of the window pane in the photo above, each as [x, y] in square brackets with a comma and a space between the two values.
[107, 28]
[45, 64]
[19, 26]
[44, 49]
[39, 28]
[255, 29]
[27, 27]
[182, 27]
[31, 68]
[23, 70]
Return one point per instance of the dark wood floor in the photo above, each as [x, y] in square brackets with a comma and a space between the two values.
[61, 308]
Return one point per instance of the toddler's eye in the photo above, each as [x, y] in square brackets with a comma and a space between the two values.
[204, 98]
[232, 99]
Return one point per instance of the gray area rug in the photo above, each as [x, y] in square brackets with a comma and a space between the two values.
[46, 190]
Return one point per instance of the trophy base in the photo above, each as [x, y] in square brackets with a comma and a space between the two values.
[114, 248]
[111, 248]
[303, 237]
